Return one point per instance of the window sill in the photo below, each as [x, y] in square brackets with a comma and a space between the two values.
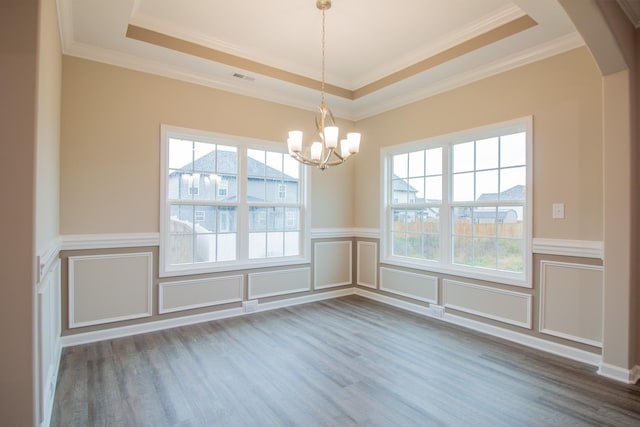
[235, 266]
[519, 280]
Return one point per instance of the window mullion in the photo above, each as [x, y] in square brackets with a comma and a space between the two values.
[243, 206]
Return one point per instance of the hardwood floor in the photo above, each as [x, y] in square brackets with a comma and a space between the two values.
[342, 362]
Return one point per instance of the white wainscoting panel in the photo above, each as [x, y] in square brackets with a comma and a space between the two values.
[505, 306]
[571, 297]
[332, 264]
[49, 329]
[109, 288]
[188, 294]
[279, 282]
[367, 264]
[421, 287]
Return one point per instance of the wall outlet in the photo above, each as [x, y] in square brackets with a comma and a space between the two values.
[250, 306]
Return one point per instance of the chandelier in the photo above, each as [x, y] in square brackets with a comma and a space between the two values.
[325, 151]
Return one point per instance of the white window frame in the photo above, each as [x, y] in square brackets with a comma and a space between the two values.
[242, 261]
[445, 265]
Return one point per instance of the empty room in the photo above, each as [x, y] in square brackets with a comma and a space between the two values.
[320, 212]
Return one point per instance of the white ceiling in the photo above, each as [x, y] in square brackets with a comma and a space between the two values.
[366, 41]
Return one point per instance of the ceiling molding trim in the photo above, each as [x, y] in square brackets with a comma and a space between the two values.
[200, 51]
[492, 36]
[497, 19]
[631, 12]
[556, 47]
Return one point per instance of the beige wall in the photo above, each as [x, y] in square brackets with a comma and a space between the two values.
[564, 95]
[110, 149]
[19, 57]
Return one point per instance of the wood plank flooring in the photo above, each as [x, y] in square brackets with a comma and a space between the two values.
[342, 362]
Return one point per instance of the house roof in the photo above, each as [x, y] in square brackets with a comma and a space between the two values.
[517, 192]
[226, 162]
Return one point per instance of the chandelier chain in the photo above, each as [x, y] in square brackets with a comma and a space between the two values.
[323, 60]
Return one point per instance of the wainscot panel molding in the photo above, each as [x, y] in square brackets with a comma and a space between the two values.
[333, 264]
[505, 306]
[45, 258]
[367, 264]
[109, 288]
[572, 353]
[421, 287]
[48, 337]
[279, 282]
[158, 325]
[571, 301]
[109, 241]
[573, 248]
[189, 294]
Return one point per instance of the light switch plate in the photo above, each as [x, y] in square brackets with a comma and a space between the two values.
[557, 211]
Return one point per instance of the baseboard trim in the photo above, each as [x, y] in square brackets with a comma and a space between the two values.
[158, 325]
[51, 384]
[507, 334]
[629, 376]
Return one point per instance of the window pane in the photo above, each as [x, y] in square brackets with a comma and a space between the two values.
[227, 219]
[181, 219]
[484, 221]
[416, 190]
[204, 155]
[399, 244]
[487, 185]
[513, 184]
[434, 161]
[291, 243]
[291, 168]
[257, 245]
[256, 190]
[275, 244]
[257, 219]
[180, 248]
[487, 153]
[462, 218]
[414, 245]
[511, 224]
[463, 157]
[430, 220]
[226, 247]
[205, 219]
[227, 160]
[180, 153]
[398, 218]
[178, 185]
[433, 191]
[256, 163]
[275, 219]
[205, 248]
[484, 252]
[463, 187]
[274, 164]
[431, 246]
[400, 165]
[463, 250]
[416, 163]
[513, 150]
[402, 192]
[292, 219]
[511, 255]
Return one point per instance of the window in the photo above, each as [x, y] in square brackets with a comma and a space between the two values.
[228, 202]
[460, 204]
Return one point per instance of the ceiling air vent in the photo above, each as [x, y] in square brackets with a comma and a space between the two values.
[243, 77]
